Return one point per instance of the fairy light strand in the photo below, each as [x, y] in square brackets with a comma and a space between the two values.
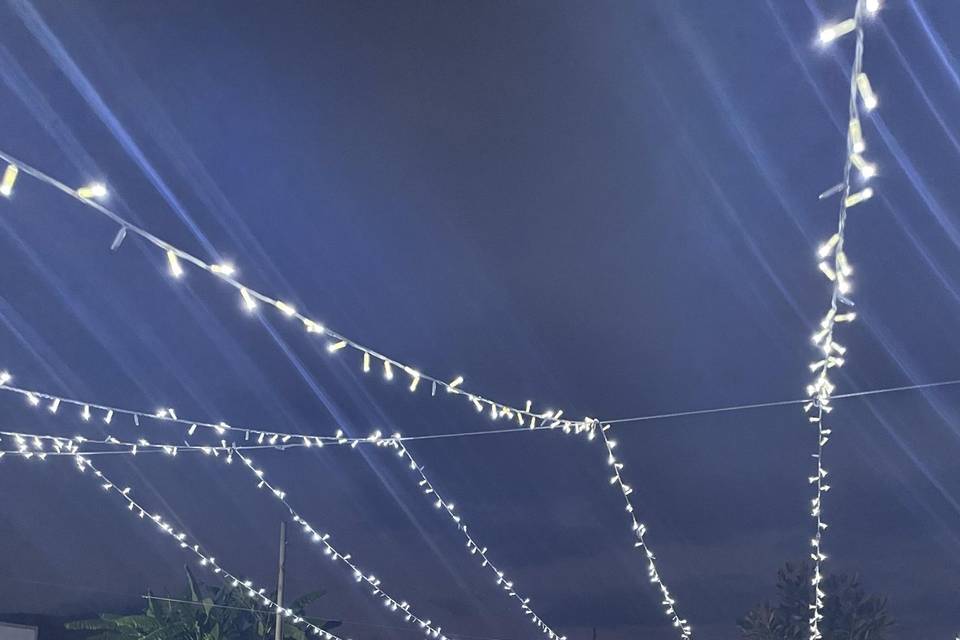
[206, 560]
[835, 266]
[401, 607]
[639, 531]
[251, 300]
[109, 412]
[473, 547]
[56, 404]
[41, 445]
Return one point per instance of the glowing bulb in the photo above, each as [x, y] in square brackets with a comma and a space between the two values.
[54, 405]
[872, 6]
[866, 92]
[366, 362]
[866, 169]
[456, 383]
[288, 310]
[85, 413]
[9, 178]
[107, 418]
[831, 32]
[313, 327]
[856, 136]
[248, 301]
[827, 247]
[333, 347]
[224, 269]
[175, 269]
[93, 190]
[387, 370]
[414, 378]
[858, 197]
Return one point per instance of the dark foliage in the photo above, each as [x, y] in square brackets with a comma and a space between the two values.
[849, 613]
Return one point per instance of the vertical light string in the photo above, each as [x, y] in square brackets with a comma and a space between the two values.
[473, 547]
[252, 592]
[835, 266]
[401, 607]
[639, 531]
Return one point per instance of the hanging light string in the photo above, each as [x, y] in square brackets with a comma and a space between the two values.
[286, 439]
[472, 546]
[41, 445]
[402, 608]
[31, 445]
[107, 414]
[252, 591]
[835, 266]
[251, 299]
[639, 531]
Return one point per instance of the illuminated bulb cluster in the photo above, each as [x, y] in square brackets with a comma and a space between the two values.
[400, 607]
[833, 263]
[245, 587]
[473, 547]
[639, 531]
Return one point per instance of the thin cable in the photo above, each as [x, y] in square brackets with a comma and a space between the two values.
[780, 403]
[328, 440]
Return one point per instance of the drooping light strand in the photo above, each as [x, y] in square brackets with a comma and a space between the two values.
[251, 297]
[639, 531]
[402, 608]
[835, 265]
[276, 438]
[245, 587]
[473, 547]
[40, 445]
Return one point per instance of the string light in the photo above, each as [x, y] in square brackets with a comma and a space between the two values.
[8, 180]
[245, 587]
[473, 547]
[61, 445]
[836, 267]
[639, 531]
[250, 297]
[402, 608]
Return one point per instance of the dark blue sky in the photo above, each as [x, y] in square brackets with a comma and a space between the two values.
[609, 207]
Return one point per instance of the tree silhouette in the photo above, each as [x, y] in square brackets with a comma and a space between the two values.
[848, 613]
[204, 613]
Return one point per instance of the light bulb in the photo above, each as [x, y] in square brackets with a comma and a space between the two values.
[224, 269]
[858, 197]
[866, 92]
[249, 303]
[831, 32]
[8, 180]
[93, 190]
[176, 270]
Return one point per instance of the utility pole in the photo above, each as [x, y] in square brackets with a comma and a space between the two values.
[278, 627]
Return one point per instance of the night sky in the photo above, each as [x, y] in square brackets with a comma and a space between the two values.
[609, 207]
